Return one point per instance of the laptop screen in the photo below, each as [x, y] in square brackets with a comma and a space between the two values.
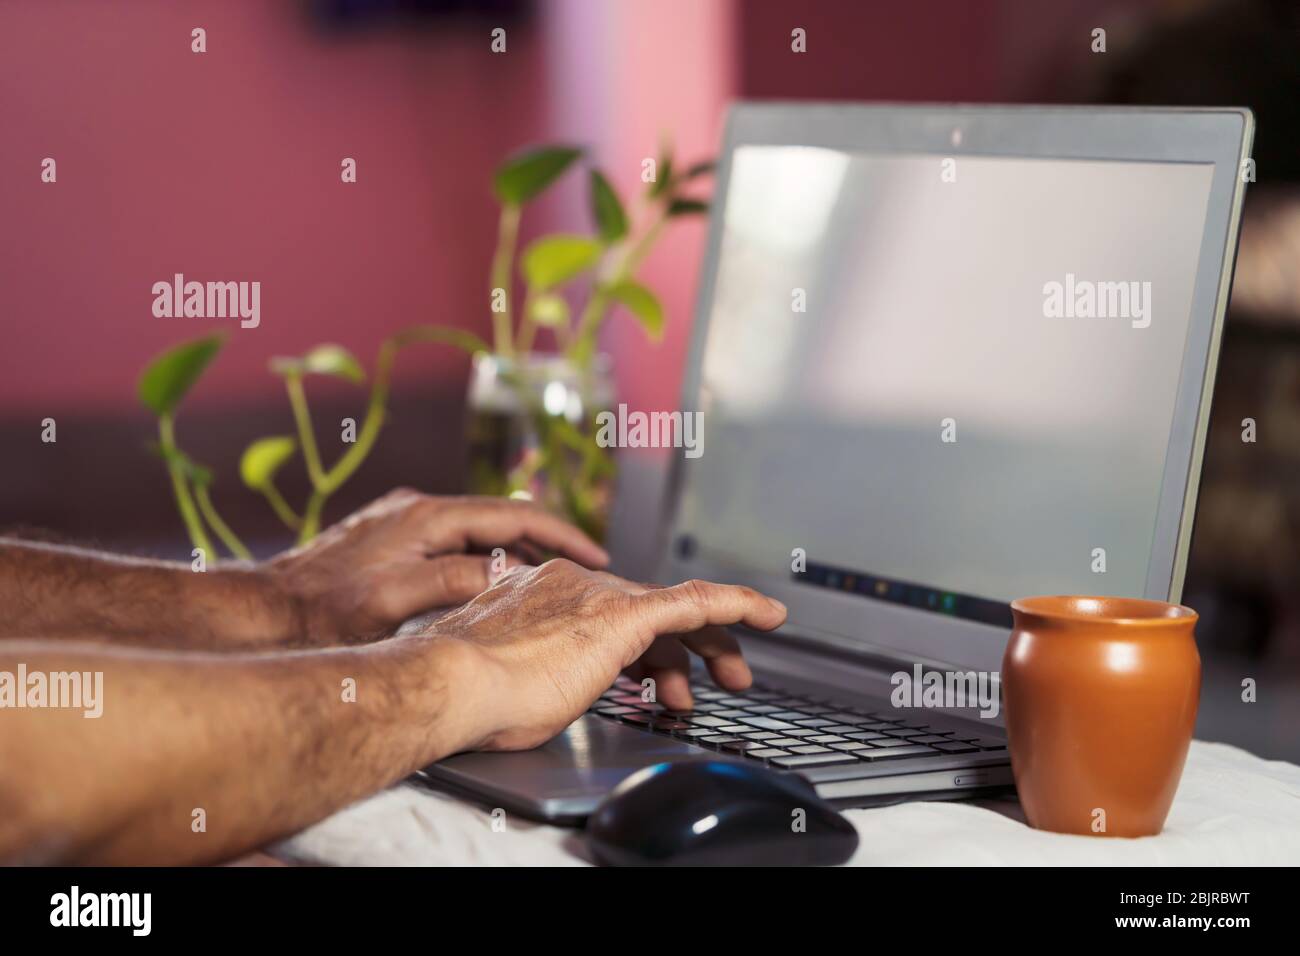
[944, 383]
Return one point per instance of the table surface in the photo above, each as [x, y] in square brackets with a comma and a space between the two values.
[1232, 808]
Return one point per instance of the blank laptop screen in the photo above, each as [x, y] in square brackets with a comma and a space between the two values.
[951, 376]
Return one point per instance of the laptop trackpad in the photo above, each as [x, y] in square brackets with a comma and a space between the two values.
[566, 778]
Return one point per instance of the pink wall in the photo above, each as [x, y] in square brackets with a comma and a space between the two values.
[225, 166]
[672, 73]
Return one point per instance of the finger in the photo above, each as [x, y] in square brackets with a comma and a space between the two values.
[634, 671]
[622, 584]
[529, 553]
[485, 522]
[693, 605]
[721, 654]
[397, 496]
[499, 560]
[668, 665]
[440, 582]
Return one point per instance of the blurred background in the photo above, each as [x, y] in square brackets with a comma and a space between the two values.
[225, 166]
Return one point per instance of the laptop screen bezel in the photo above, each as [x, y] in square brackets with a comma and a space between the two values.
[1216, 136]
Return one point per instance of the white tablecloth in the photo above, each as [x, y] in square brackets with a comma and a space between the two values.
[1231, 808]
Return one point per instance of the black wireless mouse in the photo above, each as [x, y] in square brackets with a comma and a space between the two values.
[713, 813]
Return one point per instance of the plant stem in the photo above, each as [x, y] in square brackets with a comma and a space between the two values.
[502, 265]
[281, 507]
[376, 411]
[351, 460]
[309, 525]
[527, 327]
[306, 437]
[522, 475]
[582, 347]
[325, 483]
[632, 260]
[311, 517]
[228, 537]
[193, 524]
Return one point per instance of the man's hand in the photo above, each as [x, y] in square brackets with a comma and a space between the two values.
[535, 649]
[267, 743]
[406, 553]
[401, 555]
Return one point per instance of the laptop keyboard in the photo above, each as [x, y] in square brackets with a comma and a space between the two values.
[789, 731]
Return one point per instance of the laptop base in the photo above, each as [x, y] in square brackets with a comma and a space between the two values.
[565, 779]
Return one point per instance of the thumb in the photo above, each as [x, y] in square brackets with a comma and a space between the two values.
[440, 582]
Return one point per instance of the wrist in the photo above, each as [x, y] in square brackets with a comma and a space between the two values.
[254, 607]
[448, 685]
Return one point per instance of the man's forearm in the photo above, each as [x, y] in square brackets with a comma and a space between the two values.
[57, 592]
[197, 758]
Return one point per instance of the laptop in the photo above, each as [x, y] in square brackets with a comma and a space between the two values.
[945, 357]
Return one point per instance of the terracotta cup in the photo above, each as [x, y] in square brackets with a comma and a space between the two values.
[1100, 696]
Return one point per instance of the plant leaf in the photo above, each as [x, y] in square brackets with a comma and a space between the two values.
[322, 360]
[550, 310]
[663, 172]
[442, 335]
[167, 379]
[607, 210]
[695, 170]
[263, 458]
[642, 303]
[524, 175]
[334, 360]
[687, 207]
[552, 260]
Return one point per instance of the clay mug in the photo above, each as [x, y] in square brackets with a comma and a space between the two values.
[1100, 697]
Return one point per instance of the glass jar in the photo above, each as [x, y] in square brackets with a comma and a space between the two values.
[532, 433]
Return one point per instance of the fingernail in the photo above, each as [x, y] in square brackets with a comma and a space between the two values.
[778, 605]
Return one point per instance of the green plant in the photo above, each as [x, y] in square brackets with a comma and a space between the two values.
[566, 455]
[562, 459]
[608, 260]
[170, 376]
